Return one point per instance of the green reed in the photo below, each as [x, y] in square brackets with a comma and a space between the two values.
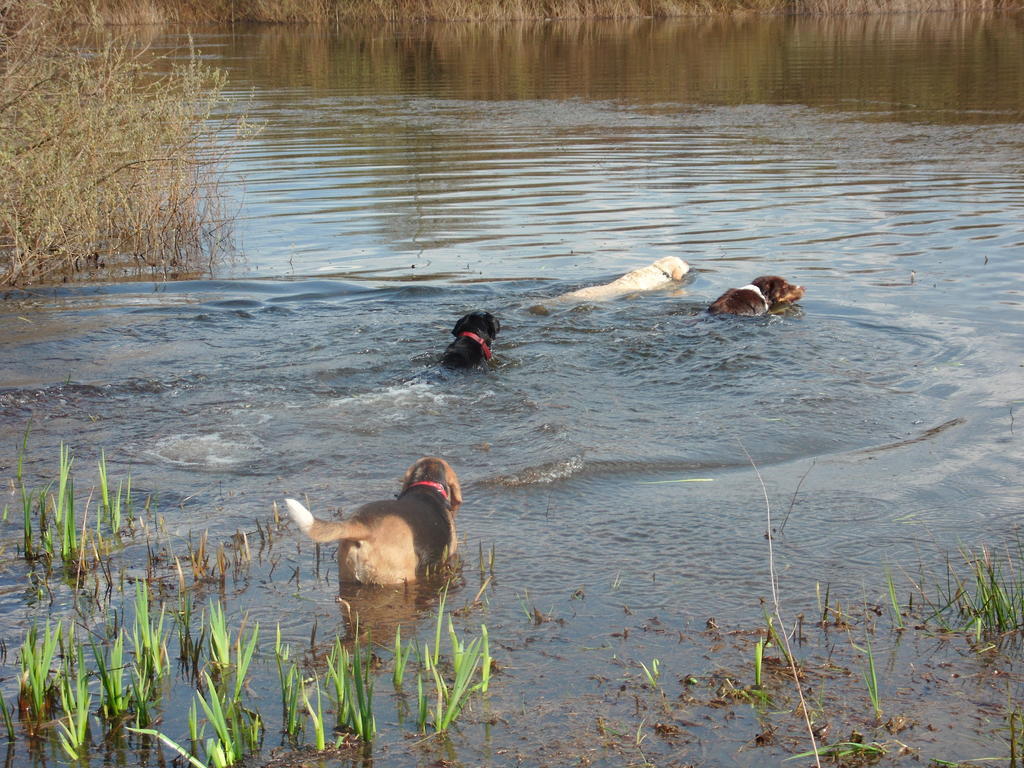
[243, 658]
[110, 668]
[219, 636]
[870, 677]
[76, 701]
[316, 717]
[992, 595]
[64, 508]
[148, 638]
[423, 706]
[114, 506]
[291, 683]
[38, 685]
[451, 698]
[846, 751]
[485, 659]
[897, 614]
[8, 720]
[189, 647]
[351, 678]
[401, 657]
[191, 758]
[236, 730]
[759, 661]
[652, 673]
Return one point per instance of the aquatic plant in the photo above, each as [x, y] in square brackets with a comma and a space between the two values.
[291, 683]
[114, 699]
[351, 678]
[5, 714]
[219, 636]
[486, 563]
[236, 729]
[845, 750]
[450, 698]
[759, 661]
[76, 702]
[401, 658]
[148, 639]
[652, 673]
[991, 597]
[114, 506]
[194, 761]
[38, 687]
[897, 614]
[870, 677]
[316, 717]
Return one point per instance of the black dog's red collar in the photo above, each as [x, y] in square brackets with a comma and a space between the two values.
[481, 342]
[431, 484]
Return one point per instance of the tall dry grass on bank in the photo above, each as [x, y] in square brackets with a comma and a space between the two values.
[105, 162]
[335, 11]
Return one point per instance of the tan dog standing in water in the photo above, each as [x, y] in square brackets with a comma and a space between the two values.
[657, 275]
[394, 541]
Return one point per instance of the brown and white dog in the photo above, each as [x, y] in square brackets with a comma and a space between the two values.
[656, 275]
[394, 541]
[761, 296]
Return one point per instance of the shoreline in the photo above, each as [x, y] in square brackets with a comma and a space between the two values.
[328, 12]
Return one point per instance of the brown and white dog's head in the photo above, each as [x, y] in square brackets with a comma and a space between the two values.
[431, 469]
[776, 290]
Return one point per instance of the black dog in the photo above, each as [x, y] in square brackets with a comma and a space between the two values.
[474, 333]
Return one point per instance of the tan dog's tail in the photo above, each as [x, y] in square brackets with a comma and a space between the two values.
[324, 530]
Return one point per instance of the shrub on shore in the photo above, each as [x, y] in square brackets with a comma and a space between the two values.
[106, 160]
[334, 11]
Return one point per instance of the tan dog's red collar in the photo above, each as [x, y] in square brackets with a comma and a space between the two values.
[483, 344]
[429, 484]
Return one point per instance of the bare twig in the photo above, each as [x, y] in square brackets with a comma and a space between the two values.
[792, 502]
[777, 610]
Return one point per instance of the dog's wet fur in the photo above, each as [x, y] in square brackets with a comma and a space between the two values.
[394, 541]
[663, 272]
[761, 296]
[467, 352]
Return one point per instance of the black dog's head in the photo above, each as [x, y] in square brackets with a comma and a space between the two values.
[474, 333]
[483, 324]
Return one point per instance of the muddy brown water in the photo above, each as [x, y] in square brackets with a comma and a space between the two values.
[405, 176]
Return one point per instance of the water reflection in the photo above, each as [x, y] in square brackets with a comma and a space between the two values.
[944, 68]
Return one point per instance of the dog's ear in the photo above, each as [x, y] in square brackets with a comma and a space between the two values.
[460, 325]
[771, 286]
[493, 325]
[454, 489]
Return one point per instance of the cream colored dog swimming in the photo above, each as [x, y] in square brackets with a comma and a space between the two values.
[657, 275]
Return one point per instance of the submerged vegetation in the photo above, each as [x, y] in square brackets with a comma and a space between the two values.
[106, 153]
[150, 656]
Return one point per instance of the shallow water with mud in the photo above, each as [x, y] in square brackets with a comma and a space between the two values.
[610, 453]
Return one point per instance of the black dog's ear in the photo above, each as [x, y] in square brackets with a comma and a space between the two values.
[493, 325]
[460, 324]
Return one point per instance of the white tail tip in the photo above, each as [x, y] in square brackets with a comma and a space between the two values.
[302, 516]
